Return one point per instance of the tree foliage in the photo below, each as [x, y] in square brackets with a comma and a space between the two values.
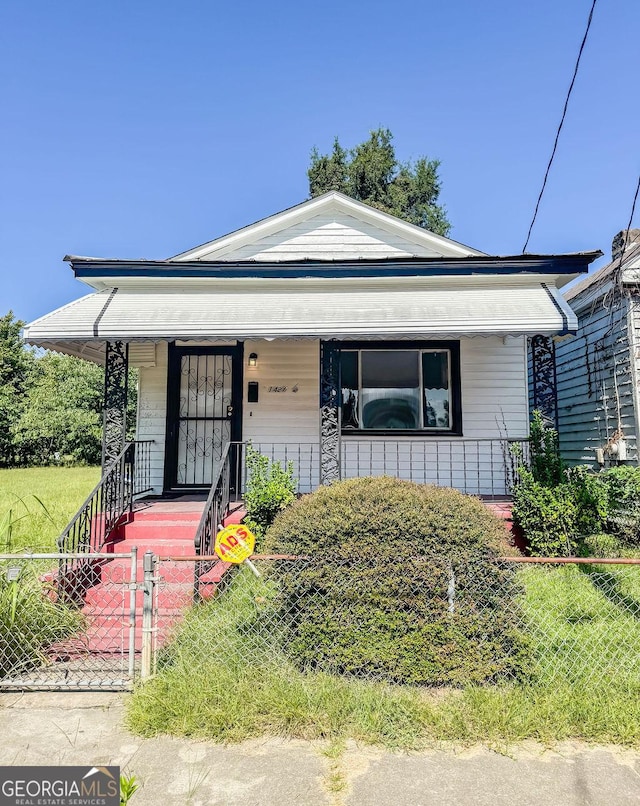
[62, 417]
[16, 367]
[371, 173]
[50, 404]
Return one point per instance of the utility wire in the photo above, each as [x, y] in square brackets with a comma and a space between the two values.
[564, 114]
[612, 298]
[633, 210]
[616, 271]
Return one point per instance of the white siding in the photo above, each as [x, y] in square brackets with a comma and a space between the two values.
[142, 354]
[494, 388]
[363, 227]
[152, 413]
[285, 424]
[329, 237]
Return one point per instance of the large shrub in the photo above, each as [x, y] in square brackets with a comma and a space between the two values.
[563, 511]
[400, 583]
[544, 451]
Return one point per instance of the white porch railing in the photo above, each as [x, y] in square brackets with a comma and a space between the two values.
[483, 467]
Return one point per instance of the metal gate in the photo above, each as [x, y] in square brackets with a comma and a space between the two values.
[84, 624]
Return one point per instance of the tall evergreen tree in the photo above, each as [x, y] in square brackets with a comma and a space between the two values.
[371, 173]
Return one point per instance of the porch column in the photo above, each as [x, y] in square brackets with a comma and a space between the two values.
[116, 371]
[329, 414]
[543, 363]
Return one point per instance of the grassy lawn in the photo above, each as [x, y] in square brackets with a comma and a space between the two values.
[35, 506]
[35, 524]
[226, 677]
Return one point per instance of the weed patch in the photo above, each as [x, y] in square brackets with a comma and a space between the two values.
[31, 619]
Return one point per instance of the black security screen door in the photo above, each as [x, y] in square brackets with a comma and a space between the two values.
[203, 405]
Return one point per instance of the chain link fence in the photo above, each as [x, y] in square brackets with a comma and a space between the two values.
[423, 621]
[69, 629]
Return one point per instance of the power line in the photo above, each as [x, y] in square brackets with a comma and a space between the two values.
[612, 298]
[633, 210]
[616, 272]
[564, 113]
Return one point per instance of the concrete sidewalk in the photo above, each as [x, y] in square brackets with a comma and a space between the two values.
[76, 728]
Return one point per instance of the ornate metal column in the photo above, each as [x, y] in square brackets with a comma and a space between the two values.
[543, 363]
[329, 413]
[115, 401]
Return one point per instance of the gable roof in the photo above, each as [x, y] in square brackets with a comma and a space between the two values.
[597, 284]
[329, 227]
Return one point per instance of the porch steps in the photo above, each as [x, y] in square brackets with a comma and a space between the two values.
[167, 528]
[501, 508]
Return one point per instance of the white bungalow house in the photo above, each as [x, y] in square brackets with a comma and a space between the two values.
[332, 335]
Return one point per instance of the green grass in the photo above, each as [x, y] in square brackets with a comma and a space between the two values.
[35, 506]
[39, 502]
[584, 623]
[220, 678]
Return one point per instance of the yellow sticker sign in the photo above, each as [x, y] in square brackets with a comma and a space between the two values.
[234, 544]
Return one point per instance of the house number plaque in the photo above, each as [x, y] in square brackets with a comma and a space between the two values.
[280, 389]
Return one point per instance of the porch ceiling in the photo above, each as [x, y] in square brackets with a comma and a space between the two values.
[428, 312]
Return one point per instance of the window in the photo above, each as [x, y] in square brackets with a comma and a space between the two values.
[400, 389]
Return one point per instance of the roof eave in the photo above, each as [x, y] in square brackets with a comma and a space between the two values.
[562, 266]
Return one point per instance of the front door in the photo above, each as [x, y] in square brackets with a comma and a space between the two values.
[204, 412]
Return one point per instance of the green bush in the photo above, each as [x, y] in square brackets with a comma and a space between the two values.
[270, 489]
[559, 519]
[622, 517]
[544, 452]
[544, 504]
[400, 583]
[601, 544]
[546, 515]
[558, 508]
[589, 491]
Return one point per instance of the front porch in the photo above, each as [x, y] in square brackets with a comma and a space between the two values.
[195, 401]
[291, 400]
[122, 522]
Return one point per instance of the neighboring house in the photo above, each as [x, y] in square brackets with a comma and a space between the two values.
[598, 369]
[332, 335]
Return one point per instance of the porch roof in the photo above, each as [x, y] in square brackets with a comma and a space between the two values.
[363, 311]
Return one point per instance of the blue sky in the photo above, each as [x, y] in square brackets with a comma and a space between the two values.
[140, 129]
